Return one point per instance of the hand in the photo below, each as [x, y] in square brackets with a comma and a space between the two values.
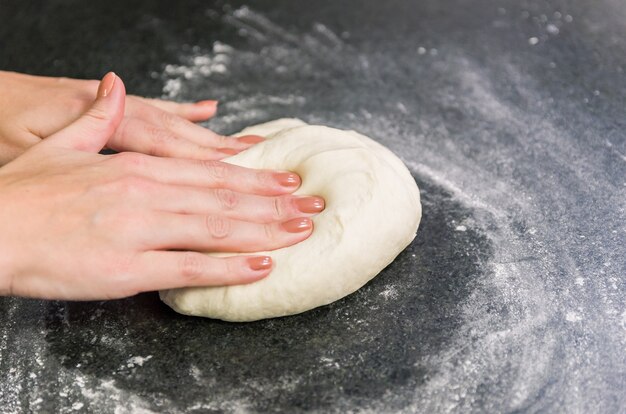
[34, 107]
[75, 224]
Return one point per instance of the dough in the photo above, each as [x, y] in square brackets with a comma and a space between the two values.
[372, 213]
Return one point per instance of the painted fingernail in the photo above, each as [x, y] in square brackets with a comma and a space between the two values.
[207, 103]
[228, 151]
[251, 139]
[106, 84]
[309, 204]
[287, 179]
[298, 225]
[260, 263]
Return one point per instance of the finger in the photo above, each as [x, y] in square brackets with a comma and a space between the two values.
[91, 131]
[193, 132]
[234, 205]
[140, 136]
[158, 270]
[199, 111]
[206, 173]
[215, 233]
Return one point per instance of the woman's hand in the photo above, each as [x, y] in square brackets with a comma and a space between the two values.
[75, 224]
[34, 107]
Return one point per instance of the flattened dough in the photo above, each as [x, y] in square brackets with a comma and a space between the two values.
[372, 213]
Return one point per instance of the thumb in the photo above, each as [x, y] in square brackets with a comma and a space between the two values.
[93, 129]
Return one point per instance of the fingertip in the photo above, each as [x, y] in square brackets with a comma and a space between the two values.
[275, 183]
[309, 204]
[195, 112]
[94, 128]
[297, 225]
[260, 263]
[228, 151]
[256, 268]
[106, 85]
[202, 110]
[112, 86]
[112, 95]
[209, 103]
[251, 139]
[288, 180]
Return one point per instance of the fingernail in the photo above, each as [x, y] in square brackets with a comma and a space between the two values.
[298, 225]
[260, 263]
[287, 179]
[228, 151]
[309, 204]
[106, 84]
[207, 103]
[251, 139]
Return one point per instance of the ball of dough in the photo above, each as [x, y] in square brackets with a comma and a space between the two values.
[372, 213]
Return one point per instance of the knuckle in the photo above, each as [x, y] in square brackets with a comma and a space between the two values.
[100, 120]
[131, 160]
[270, 231]
[278, 208]
[159, 138]
[227, 199]
[231, 267]
[158, 134]
[218, 227]
[266, 179]
[215, 169]
[170, 121]
[191, 265]
[99, 115]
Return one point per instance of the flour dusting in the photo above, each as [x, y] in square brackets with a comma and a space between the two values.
[528, 288]
[518, 279]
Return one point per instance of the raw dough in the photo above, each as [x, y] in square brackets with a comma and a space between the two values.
[372, 213]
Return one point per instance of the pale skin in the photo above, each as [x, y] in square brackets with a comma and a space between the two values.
[34, 107]
[75, 224]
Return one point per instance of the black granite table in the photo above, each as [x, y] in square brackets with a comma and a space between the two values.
[510, 115]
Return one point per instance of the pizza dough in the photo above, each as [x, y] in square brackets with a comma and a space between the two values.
[372, 213]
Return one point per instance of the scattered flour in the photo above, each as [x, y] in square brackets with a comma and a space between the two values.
[507, 342]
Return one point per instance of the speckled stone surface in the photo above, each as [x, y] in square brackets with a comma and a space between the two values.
[510, 115]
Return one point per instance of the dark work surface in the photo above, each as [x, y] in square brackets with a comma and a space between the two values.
[511, 117]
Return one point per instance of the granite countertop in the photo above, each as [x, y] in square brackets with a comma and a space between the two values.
[510, 115]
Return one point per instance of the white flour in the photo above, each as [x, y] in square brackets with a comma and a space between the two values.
[514, 351]
[518, 321]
